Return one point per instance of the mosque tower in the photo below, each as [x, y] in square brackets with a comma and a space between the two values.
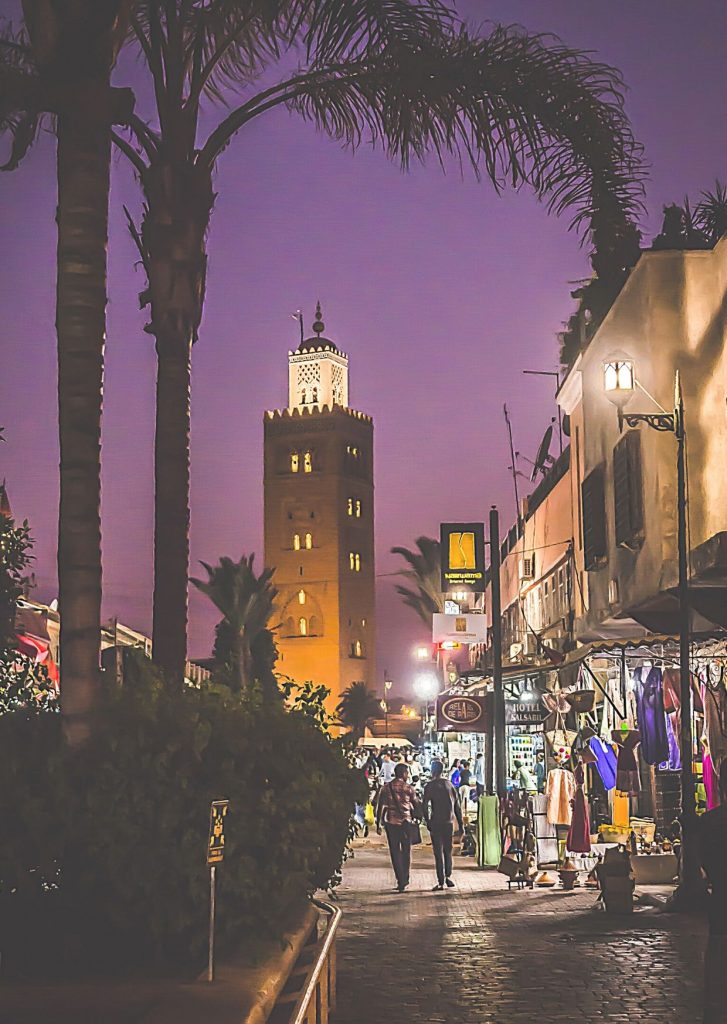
[319, 522]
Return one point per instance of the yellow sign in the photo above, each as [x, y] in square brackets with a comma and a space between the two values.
[462, 551]
[216, 845]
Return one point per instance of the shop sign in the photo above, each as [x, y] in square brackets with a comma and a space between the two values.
[524, 712]
[464, 714]
[216, 842]
[462, 550]
[462, 629]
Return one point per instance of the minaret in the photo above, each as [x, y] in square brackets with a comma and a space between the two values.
[319, 522]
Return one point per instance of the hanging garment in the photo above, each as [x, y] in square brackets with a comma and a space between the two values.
[620, 810]
[545, 834]
[715, 722]
[605, 761]
[674, 762]
[488, 832]
[627, 769]
[711, 782]
[579, 834]
[560, 789]
[651, 716]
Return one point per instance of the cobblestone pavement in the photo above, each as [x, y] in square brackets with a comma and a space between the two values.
[479, 954]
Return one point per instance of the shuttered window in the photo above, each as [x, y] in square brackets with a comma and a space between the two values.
[628, 490]
[593, 494]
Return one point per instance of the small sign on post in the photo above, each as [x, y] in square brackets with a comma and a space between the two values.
[215, 856]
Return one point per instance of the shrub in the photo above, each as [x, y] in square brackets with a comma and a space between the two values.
[105, 846]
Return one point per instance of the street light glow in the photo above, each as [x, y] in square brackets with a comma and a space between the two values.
[618, 379]
[426, 686]
[422, 653]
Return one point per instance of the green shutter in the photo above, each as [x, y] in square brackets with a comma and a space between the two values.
[593, 496]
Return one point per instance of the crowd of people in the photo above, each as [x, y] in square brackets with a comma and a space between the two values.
[408, 788]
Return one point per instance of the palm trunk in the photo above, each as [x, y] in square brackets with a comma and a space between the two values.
[173, 234]
[84, 154]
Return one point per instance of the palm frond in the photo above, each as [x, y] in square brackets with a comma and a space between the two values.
[710, 214]
[20, 104]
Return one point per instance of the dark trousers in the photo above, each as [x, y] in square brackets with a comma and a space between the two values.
[400, 850]
[715, 980]
[442, 846]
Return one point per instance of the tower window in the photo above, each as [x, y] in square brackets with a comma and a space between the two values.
[302, 626]
[354, 561]
[308, 541]
[349, 507]
[353, 451]
[353, 507]
[315, 396]
[301, 597]
[357, 508]
[294, 462]
[356, 649]
[308, 461]
[296, 542]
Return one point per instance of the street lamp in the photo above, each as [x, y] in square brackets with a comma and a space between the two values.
[426, 687]
[388, 683]
[619, 381]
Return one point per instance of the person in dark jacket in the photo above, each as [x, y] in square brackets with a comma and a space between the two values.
[441, 812]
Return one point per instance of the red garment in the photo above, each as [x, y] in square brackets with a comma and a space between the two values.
[579, 834]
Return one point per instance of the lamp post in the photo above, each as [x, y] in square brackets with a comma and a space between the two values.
[426, 688]
[620, 383]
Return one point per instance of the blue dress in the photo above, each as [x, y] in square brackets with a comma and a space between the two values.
[605, 761]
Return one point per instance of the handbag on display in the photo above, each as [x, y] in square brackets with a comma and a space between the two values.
[582, 701]
[508, 866]
[560, 740]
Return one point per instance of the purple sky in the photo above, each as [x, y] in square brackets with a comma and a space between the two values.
[440, 292]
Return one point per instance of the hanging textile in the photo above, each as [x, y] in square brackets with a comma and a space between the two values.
[559, 791]
[674, 761]
[715, 722]
[605, 761]
[621, 811]
[545, 834]
[579, 834]
[711, 782]
[627, 769]
[488, 832]
[651, 716]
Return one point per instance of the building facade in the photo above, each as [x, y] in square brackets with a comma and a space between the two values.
[319, 522]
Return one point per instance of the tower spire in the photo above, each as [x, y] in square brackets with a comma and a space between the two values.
[318, 325]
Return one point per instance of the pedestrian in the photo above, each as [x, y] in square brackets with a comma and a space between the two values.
[441, 812]
[454, 773]
[465, 775]
[480, 774]
[524, 777]
[397, 808]
[713, 850]
[386, 771]
[540, 771]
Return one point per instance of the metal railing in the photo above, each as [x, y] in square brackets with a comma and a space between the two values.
[316, 1000]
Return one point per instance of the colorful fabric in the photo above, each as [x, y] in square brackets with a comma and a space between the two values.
[628, 781]
[651, 716]
[579, 834]
[711, 782]
[489, 845]
[560, 789]
[605, 761]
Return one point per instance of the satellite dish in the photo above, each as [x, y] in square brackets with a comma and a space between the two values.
[543, 459]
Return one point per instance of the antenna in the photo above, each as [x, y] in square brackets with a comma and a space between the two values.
[513, 466]
[543, 460]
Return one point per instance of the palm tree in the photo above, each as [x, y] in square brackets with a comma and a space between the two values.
[357, 706]
[61, 64]
[246, 602]
[425, 573]
[519, 108]
[711, 212]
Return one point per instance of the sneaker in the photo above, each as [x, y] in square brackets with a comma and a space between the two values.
[439, 886]
[450, 883]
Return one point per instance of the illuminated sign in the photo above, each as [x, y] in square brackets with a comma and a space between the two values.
[462, 549]
[464, 714]
[458, 629]
[216, 844]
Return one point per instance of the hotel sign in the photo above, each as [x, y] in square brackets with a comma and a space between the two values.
[464, 714]
[463, 556]
[524, 712]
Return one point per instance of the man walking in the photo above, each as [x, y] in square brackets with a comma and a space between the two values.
[397, 807]
[713, 841]
[386, 771]
[480, 774]
[441, 810]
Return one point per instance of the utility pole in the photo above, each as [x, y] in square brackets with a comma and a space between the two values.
[499, 701]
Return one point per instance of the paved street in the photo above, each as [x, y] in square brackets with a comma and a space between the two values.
[482, 955]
